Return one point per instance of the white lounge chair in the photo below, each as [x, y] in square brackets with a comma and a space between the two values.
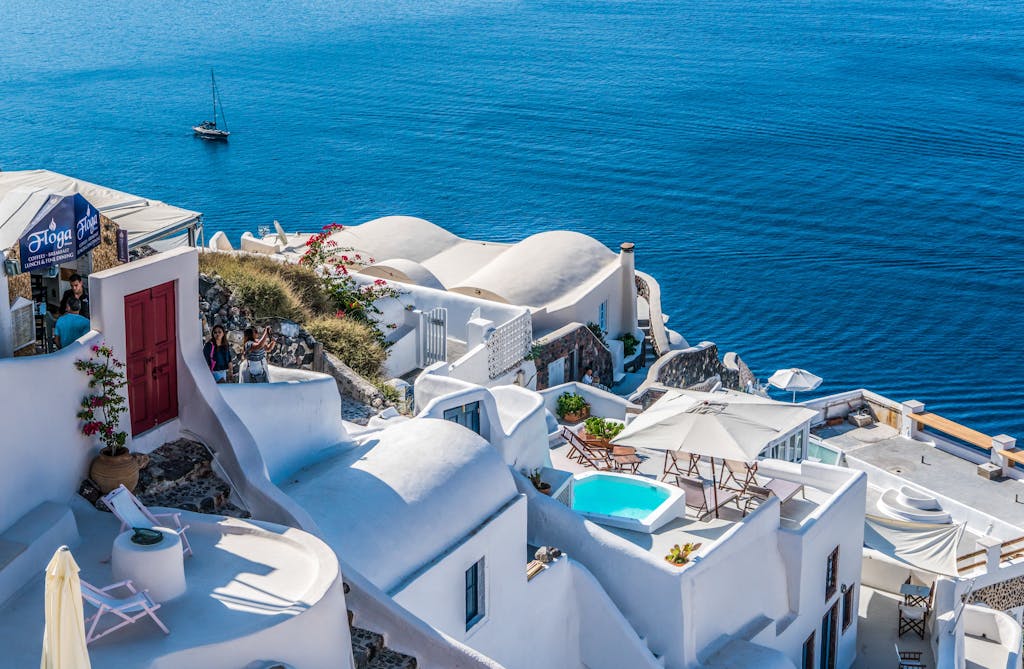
[126, 610]
[133, 513]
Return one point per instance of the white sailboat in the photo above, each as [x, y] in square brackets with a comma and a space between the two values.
[209, 129]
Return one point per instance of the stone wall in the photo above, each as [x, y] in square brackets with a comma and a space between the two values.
[296, 348]
[1001, 596]
[695, 365]
[562, 342]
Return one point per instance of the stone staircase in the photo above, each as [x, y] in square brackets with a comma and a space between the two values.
[369, 651]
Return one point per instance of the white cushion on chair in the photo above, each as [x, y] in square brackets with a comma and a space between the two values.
[912, 612]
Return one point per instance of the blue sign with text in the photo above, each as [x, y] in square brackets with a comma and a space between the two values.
[66, 227]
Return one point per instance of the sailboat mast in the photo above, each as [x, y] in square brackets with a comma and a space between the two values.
[213, 93]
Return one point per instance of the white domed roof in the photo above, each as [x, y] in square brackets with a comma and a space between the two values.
[540, 269]
[406, 271]
[424, 485]
[397, 237]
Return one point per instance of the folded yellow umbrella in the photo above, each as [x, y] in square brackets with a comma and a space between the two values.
[64, 635]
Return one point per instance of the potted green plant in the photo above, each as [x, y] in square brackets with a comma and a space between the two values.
[570, 407]
[679, 556]
[100, 413]
[602, 429]
[542, 486]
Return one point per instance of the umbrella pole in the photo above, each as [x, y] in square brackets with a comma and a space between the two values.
[794, 397]
[714, 485]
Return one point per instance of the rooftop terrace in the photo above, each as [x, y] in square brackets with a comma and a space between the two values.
[706, 529]
[949, 475]
[245, 580]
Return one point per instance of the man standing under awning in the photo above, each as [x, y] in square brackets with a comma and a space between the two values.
[77, 291]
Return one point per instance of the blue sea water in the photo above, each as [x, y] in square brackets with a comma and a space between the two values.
[831, 185]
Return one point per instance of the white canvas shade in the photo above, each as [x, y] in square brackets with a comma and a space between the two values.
[794, 380]
[64, 634]
[928, 546]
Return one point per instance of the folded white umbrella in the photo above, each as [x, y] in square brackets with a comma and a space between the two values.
[794, 380]
[64, 634]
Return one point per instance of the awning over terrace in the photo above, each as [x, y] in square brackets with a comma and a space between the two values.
[24, 193]
[926, 546]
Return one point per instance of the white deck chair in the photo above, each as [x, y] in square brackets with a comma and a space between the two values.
[126, 610]
[133, 513]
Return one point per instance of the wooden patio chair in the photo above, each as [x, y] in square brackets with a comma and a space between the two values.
[133, 513]
[626, 459]
[909, 659]
[700, 495]
[122, 610]
[671, 467]
[574, 442]
[598, 458]
[738, 474]
[912, 619]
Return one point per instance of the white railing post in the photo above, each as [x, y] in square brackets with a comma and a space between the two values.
[908, 427]
[1002, 442]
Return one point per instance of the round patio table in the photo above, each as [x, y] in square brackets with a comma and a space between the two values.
[159, 568]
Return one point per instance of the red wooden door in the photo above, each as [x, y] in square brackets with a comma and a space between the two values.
[152, 356]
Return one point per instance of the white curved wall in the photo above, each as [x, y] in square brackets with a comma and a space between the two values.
[39, 398]
[295, 419]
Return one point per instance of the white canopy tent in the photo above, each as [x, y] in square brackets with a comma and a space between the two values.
[928, 546]
[23, 193]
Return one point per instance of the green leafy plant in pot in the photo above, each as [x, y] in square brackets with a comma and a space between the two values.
[603, 429]
[571, 407]
[100, 413]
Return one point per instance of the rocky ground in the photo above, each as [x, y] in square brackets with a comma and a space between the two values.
[179, 475]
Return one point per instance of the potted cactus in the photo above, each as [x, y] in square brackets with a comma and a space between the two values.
[541, 486]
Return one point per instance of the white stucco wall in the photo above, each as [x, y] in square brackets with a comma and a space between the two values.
[512, 419]
[46, 454]
[507, 632]
[295, 419]
[585, 305]
[602, 403]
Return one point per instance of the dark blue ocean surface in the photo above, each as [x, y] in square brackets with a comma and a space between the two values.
[832, 185]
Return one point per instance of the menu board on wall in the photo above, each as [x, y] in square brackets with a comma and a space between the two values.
[24, 321]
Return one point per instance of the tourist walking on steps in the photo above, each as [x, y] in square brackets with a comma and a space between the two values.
[219, 354]
[254, 368]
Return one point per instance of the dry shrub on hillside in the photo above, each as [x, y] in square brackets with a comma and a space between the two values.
[269, 288]
[357, 344]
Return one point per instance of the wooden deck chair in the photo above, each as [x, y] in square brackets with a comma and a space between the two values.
[133, 513]
[574, 442]
[912, 619]
[737, 475]
[699, 495]
[755, 496]
[672, 467]
[909, 659]
[122, 610]
[598, 458]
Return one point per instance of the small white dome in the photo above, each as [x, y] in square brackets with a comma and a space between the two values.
[403, 270]
[397, 237]
[424, 485]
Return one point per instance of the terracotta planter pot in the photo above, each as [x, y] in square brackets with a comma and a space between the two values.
[586, 412]
[110, 471]
[571, 417]
[544, 488]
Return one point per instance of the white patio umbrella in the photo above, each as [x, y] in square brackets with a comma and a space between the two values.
[795, 380]
[716, 425]
[64, 634]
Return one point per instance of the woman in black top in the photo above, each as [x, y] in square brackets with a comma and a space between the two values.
[218, 354]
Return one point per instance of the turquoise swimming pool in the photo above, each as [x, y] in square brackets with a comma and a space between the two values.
[630, 502]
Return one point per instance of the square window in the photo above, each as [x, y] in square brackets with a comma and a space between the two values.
[475, 594]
